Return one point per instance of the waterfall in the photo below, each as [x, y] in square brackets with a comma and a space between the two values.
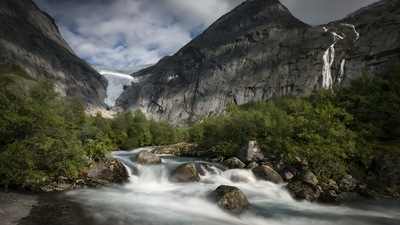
[341, 72]
[329, 57]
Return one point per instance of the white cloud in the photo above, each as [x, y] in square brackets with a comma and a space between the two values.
[133, 32]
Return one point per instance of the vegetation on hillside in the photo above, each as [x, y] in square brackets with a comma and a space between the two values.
[43, 135]
[333, 131]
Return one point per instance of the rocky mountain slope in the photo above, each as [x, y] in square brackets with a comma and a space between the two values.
[30, 38]
[260, 50]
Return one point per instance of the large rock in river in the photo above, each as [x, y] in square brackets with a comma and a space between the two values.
[234, 163]
[268, 174]
[230, 199]
[302, 190]
[106, 172]
[185, 173]
[146, 157]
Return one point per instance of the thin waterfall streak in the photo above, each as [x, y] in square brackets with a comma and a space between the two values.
[341, 73]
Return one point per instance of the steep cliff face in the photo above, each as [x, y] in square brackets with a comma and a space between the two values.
[30, 38]
[260, 50]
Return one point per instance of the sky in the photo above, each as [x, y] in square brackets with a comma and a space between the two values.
[124, 33]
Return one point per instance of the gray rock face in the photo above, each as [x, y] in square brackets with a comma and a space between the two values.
[250, 152]
[260, 50]
[268, 174]
[30, 38]
[234, 163]
[146, 157]
[185, 173]
[308, 177]
[230, 199]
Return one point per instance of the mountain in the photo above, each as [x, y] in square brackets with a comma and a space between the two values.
[30, 39]
[260, 50]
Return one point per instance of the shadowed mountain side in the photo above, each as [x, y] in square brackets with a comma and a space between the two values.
[30, 38]
[257, 51]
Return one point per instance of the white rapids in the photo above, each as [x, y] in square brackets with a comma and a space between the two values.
[149, 198]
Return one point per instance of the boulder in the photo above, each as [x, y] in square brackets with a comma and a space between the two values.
[234, 163]
[268, 174]
[347, 183]
[302, 191]
[252, 165]
[329, 197]
[250, 152]
[106, 172]
[146, 157]
[286, 175]
[230, 199]
[329, 185]
[167, 150]
[308, 177]
[185, 173]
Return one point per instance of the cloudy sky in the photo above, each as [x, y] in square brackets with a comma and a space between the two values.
[120, 33]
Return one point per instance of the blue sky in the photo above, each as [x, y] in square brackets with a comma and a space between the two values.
[120, 33]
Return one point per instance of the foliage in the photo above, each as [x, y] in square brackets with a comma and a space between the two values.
[43, 135]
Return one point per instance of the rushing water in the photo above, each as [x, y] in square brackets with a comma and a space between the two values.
[148, 198]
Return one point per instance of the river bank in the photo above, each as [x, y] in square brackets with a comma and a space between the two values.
[26, 208]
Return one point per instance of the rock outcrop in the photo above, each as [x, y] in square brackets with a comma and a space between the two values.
[260, 50]
[234, 163]
[146, 157]
[268, 174]
[250, 152]
[185, 173]
[230, 198]
[106, 172]
[30, 38]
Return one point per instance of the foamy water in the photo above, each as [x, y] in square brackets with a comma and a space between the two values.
[149, 198]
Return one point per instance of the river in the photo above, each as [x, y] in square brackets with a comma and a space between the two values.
[148, 198]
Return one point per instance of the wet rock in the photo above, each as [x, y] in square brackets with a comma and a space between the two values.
[107, 172]
[268, 174]
[234, 163]
[230, 199]
[302, 190]
[329, 185]
[347, 183]
[329, 197]
[250, 152]
[146, 157]
[168, 150]
[251, 165]
[185, 173]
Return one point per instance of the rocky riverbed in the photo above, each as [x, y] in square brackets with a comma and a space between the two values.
[26, 208]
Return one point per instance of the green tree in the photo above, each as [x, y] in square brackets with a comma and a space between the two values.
[321, 135]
